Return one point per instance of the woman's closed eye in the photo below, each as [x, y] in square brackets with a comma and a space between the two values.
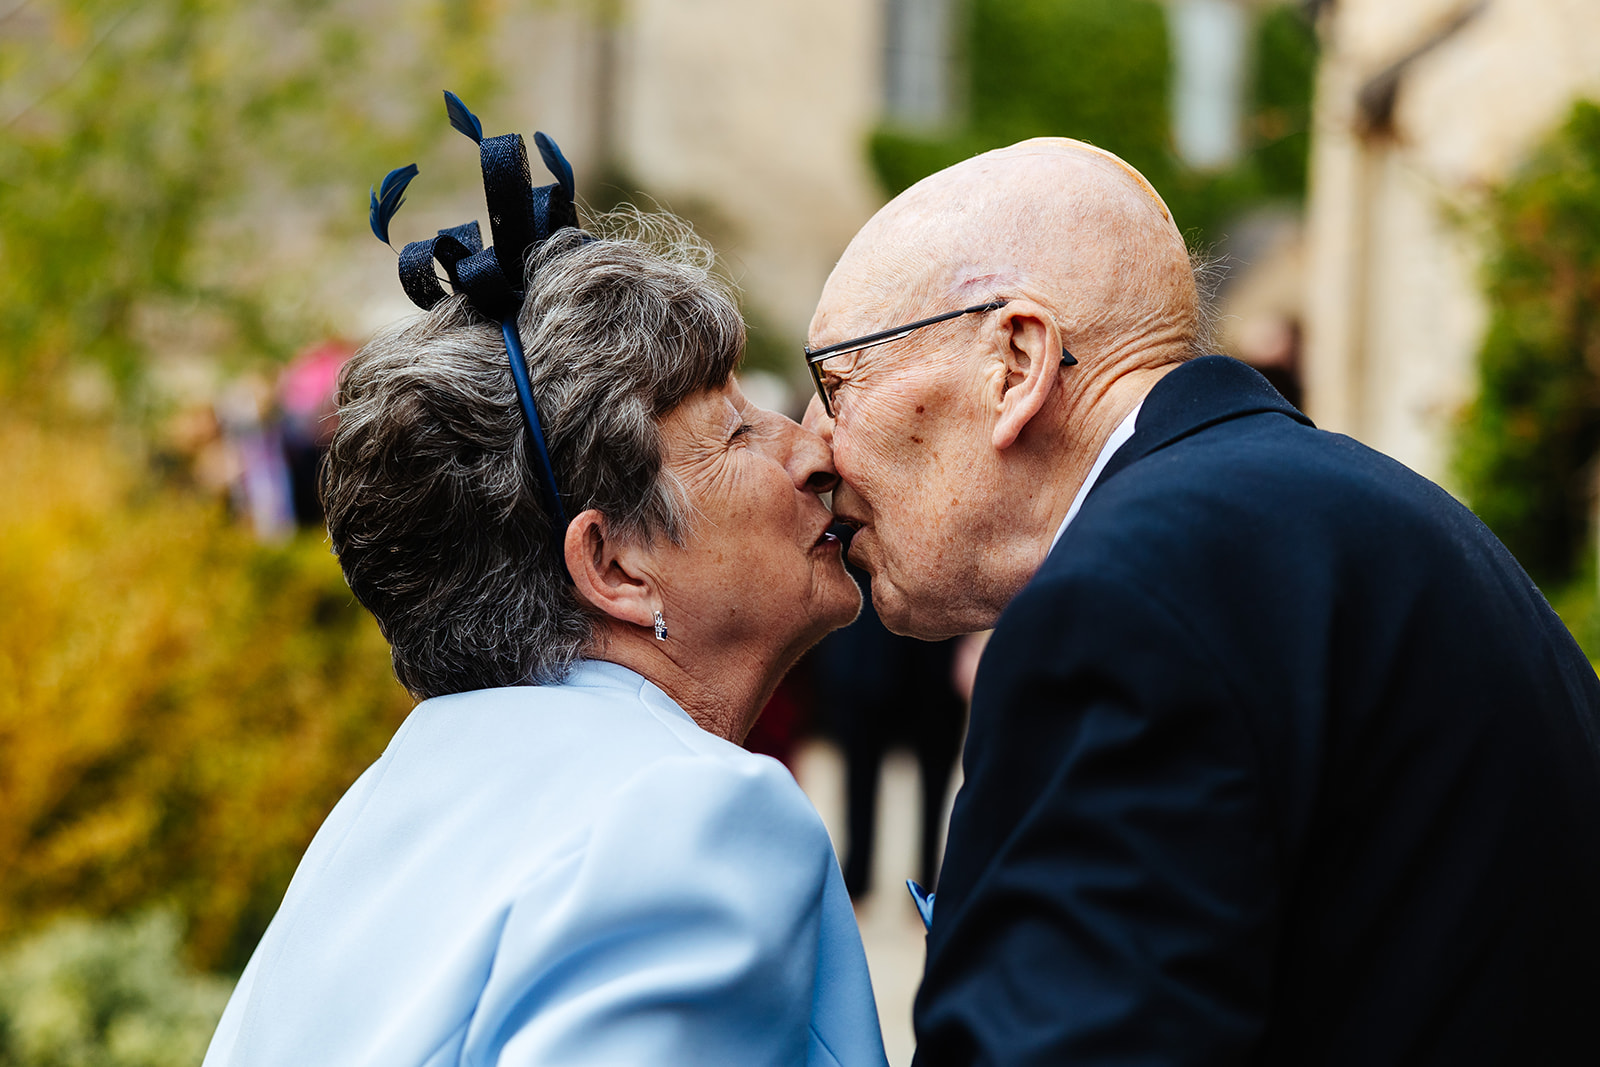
[743, 430]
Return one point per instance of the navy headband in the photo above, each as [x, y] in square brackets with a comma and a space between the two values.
[521, 218]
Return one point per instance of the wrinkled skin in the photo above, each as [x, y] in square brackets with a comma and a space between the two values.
[757, 580]
[960, 447]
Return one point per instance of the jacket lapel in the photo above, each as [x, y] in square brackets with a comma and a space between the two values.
[1198, 394]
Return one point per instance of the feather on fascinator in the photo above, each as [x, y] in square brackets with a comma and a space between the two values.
[521, 218]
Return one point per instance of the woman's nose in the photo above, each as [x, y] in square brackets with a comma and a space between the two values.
[822, 482]
[811, 461]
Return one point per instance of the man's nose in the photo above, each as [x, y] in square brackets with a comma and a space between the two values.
[816, 420]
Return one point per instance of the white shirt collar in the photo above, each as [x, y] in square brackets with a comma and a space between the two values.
[1118, 438]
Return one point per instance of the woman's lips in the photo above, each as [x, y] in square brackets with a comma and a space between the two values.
[836, 534]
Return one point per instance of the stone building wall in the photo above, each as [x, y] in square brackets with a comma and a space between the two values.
[1421, 108]
[750, 119]
[753, 118]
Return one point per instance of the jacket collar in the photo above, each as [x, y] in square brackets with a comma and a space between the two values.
[1191, 398]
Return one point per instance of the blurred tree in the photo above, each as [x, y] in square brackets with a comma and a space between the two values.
[1100, 71]
[1528, 445]
[153, 151]
[105, 994]
[1098, 68]
[1092, 69]
[180, 706]
[1285, 67]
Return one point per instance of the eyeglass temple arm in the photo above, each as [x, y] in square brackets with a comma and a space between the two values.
[896, 332]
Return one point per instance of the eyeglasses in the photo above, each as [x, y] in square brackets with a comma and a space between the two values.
[814, 357]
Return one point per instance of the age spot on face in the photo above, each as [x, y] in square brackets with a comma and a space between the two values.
[920, 409]
[915, 439]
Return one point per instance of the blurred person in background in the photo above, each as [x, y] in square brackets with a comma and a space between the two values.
[306, 399]
[882, 690]
[261, 489]
[592, 585]
[1276, 755]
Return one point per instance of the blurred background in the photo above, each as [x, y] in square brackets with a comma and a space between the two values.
[1400, 203]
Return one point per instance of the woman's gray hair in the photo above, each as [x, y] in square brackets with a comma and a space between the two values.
[433, 505]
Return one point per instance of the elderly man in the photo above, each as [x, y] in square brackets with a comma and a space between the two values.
[1277, 756]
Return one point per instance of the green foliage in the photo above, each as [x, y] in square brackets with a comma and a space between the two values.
[1091, 69]
[1099, 71]
[1096, 67]
[105, 994]
[152, 152]
[180, 706]
[1529, 441]
[1578, 603]
[1281, 88]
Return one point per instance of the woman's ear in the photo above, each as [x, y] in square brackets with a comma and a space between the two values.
[1032, 351]
[611, 575]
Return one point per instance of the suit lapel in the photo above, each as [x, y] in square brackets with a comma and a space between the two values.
[1198, 394]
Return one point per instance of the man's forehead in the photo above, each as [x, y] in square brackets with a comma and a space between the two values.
[838, 320]
[846, 311]
[871, 289]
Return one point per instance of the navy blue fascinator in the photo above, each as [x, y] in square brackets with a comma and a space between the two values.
[521, 218]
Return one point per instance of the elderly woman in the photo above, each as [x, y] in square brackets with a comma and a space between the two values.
[563, 856]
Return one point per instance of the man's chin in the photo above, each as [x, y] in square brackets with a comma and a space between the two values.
[900, 616]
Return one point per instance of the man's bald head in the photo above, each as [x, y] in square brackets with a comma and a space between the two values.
[1062, 222]
[960, 446]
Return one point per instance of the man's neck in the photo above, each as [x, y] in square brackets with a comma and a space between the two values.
[1119, 437]
[1090, 419]
[1036, 489]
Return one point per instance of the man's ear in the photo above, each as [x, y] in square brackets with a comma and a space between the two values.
[1030, 346]
[611, 575]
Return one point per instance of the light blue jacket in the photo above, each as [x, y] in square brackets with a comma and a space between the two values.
[575, 874]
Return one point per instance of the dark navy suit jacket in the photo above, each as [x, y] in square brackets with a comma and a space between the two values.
[1279, 759]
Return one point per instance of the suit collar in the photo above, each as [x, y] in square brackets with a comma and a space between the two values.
[1196, 395]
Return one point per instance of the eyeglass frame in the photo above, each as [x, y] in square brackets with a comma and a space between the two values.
[815, 356]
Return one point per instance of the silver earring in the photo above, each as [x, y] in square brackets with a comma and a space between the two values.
[661, 627]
